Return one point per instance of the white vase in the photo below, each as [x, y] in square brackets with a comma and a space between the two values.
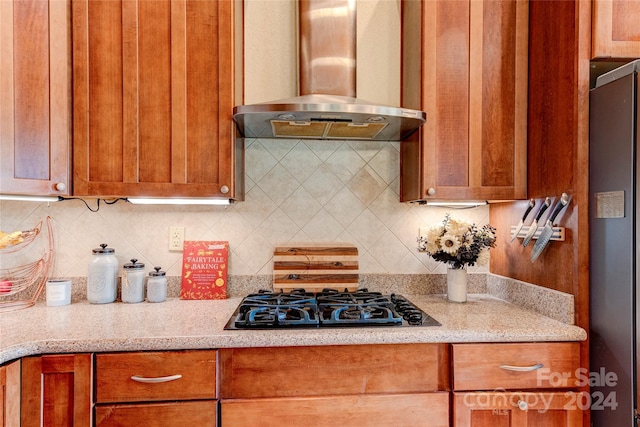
[457, 284]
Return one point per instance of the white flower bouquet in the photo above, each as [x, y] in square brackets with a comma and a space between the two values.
[458, 243]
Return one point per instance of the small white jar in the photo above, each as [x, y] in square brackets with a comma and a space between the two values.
[157, 286]
[133, 282]
[102, 280]
[58, 292]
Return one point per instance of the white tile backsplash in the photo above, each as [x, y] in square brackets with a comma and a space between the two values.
[300, 191]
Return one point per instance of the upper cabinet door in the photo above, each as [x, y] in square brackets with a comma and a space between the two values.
[471, 80]
[616, 33]
[153, 98]
[35, 97]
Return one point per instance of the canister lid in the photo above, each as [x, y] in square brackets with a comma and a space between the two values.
[157, 272]
[134, 264]
[103, 249]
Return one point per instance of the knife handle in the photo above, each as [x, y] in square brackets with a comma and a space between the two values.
[543, 208]
[532, 203]
[564, 200]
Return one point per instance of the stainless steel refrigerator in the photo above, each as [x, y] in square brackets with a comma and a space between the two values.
[614, 225]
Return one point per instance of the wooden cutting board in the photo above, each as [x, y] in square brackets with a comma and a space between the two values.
[315, 267]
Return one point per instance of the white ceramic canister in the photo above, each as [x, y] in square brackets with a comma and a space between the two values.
[157, 285]
[133, 282]
[102, 281]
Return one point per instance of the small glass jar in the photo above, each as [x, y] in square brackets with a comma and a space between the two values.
[102, 280]
[157, 285]
[133, 282]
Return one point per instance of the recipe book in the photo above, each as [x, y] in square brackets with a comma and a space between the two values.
[204, 270]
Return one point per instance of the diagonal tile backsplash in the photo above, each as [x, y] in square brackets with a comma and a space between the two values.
[303, 191]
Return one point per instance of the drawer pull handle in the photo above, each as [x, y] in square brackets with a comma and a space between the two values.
[523, 405]
[156, 379]
[521, 368]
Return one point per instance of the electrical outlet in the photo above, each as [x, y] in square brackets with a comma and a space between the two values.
[176, 238]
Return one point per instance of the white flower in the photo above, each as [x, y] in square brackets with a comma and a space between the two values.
[449, 243]
[458, 227]
[458, 243]
[436, 231]
[431, 246]
[433, 234]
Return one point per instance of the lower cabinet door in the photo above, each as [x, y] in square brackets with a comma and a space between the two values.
[170, 414]
[519, 409]
[422, 409]
[56, 390]
[10, 394]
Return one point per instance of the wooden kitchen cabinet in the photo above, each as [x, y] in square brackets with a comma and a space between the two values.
[56, 390]
[615, 29]
[10, 394]
[517, 385]
[326, 385]
[519, 409]
[156, 388]
[465, 64]
[35, 97]
[154, 89]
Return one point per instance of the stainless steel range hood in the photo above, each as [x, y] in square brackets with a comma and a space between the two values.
[328, 107]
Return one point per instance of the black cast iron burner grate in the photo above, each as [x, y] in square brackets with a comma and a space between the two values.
[329, 308]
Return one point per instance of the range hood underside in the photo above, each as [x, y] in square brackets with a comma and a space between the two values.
[327, 117]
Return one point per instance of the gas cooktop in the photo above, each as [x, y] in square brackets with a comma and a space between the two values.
[329, 308]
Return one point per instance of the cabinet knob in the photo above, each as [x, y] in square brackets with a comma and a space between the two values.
[431, 191]
[61, 186]
[523, 405]
[224, 189]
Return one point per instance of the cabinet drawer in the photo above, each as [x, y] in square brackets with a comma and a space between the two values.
[198, 414]
[421, 409]
[327, 370]
[149, 376]
[515, 366]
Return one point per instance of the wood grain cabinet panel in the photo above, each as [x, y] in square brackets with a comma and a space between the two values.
[10, 394]
[615, 29]
[156, 389]
[471, 80]
[35, 97]
[333, 370]
[368, 385]
[515, 366]
[153, 98]
[512, 385]
[57, 390]
[519, 409]
[153, 376]
[420, 409]
[165, 414]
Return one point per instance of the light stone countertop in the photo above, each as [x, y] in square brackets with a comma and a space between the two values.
[177, 324]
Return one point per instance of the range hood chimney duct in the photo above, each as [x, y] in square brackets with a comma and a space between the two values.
[327, 107]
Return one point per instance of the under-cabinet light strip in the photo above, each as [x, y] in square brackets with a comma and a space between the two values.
[20, 198]
[177, 201]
